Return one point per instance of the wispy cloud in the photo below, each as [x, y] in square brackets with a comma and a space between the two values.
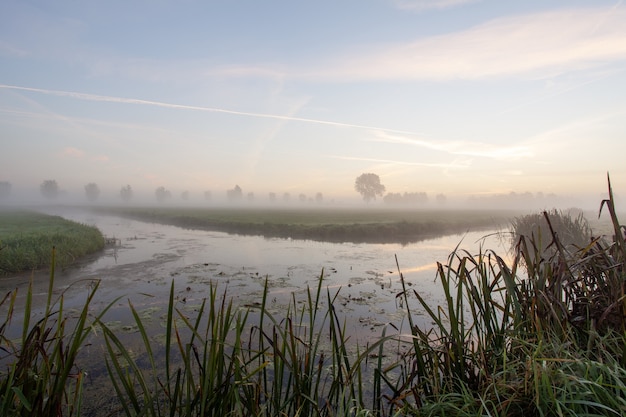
[448, 165]
[466, 148]
[125, 100]
[536, 45]
[71, 152]
[419, 5]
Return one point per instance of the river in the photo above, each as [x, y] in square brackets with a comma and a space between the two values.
[147, 258]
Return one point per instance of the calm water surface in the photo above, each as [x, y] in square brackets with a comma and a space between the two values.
[149, 257]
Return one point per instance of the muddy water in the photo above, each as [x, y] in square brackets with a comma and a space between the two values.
[149, 257]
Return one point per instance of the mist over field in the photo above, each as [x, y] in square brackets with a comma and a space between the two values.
[467, 103]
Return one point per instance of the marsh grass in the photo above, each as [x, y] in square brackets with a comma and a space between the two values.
[26, 239]
[324, 224]
[541, 332]
[39, 376]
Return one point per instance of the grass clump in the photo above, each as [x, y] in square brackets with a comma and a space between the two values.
[541, 335]
[26, 239]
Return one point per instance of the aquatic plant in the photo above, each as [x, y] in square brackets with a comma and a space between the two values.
[39, 375]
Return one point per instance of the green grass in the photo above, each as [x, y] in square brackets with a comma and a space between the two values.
[325, 224]
[26, 239]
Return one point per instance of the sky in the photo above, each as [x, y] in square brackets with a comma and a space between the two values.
[456, 97]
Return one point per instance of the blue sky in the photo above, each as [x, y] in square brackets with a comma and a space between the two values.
[460, 97]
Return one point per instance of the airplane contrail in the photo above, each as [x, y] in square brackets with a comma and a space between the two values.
[124, 100]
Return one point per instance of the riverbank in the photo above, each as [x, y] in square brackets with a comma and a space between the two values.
[27, 239]
[324, 224]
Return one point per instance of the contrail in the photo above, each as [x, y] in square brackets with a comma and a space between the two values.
[124, 100]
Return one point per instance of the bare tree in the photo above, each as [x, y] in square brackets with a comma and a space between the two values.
[5, 189]
[162, 194]
[126, 193]
[49, 189]
[369, 186]
[235, 194]
[92, 191]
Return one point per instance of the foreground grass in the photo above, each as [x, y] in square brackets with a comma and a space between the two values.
[543, 334]
[26, 239]
[325, 224]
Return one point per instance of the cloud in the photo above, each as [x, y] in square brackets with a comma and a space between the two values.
[448, 165]
[419, 5]
[536, 45]
[124, 100]
[70, 152]
[466, 148]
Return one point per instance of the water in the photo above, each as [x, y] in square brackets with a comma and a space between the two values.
[149, 257]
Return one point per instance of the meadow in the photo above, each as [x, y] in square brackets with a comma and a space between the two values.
[324, 224]
[26, 239]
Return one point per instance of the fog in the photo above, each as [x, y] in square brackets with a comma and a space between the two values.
[164, 197]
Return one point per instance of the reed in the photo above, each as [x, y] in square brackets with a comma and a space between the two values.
[541, 335]
[40, 376]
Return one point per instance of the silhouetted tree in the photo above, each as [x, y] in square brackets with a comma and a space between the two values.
[126, 193]
[49, 189]
[92, 191]
[286, 197]
[302, 198]
[272, 197]
[162, 194]
[235, 194]
[184, 195]
[319, 197]
[369, 186]
[5, 189]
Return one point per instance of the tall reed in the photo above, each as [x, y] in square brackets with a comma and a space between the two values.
[541, 335]
[41, 377]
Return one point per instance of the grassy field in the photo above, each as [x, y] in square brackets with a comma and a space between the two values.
[27, 239]
[326, 224]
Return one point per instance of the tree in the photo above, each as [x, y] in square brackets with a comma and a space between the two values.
[319, 197]
[49, 189]
[126, 193]
[272, 197]
[207, 195]
[162, 194]
[185, 195]
[369, 186]
[5, 189]
[92, 191]
[235, 194]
